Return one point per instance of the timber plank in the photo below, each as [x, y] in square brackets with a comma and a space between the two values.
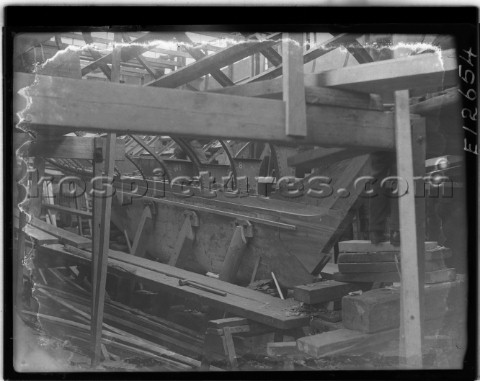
[440, 276]
[384, 267]
[272, 88]
[341, 340]
[39, 236]
[426, 72]
[109, 107]
[389, 256]
[379, 309]
[240, 301]
[63, 235]
[365, 246]
[366, 277]
[322, 292]
[435, 104]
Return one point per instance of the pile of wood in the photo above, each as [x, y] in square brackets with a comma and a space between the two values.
[64, 308]
[362, 261]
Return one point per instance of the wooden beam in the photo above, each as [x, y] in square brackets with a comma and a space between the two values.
[126, 54]
[424, 72]
[70, 147]
[39, 236]
[94, 106]
[293, 85]
[96, 56]
[208, 63]
[64, 236]
[140, 59]
[78, 36]
[437, 103]
[269, 53]
[273, 88]
[409, 247]
[102, 207]
[366, 246]
[314, 53]
[322, 292]
[197, 54]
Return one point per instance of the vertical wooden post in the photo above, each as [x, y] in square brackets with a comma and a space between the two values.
[102, 207]
[293, 84]
[410, 237]
[116, 58]
[104, 162]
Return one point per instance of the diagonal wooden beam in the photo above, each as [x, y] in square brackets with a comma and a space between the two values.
[316, 52]
[127, 53]
[140, 59]
[269, 53]
[357, 50]
[97, 56]
[208, 63]
[197, 54]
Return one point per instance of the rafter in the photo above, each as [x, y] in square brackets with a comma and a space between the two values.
[128, 52]
[207, 64]
[318, 51]
[96, 56]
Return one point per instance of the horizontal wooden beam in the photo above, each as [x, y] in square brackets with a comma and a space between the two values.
[272, 88]
[64, 236]
[39, 236]
[435, 104]
[70, 147]
[95, 106]
[424, 72]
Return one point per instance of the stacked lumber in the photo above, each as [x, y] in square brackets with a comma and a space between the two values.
[379, 309]
[362, 261]
[64, 312]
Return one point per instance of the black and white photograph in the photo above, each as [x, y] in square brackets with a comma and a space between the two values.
[241, 198]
